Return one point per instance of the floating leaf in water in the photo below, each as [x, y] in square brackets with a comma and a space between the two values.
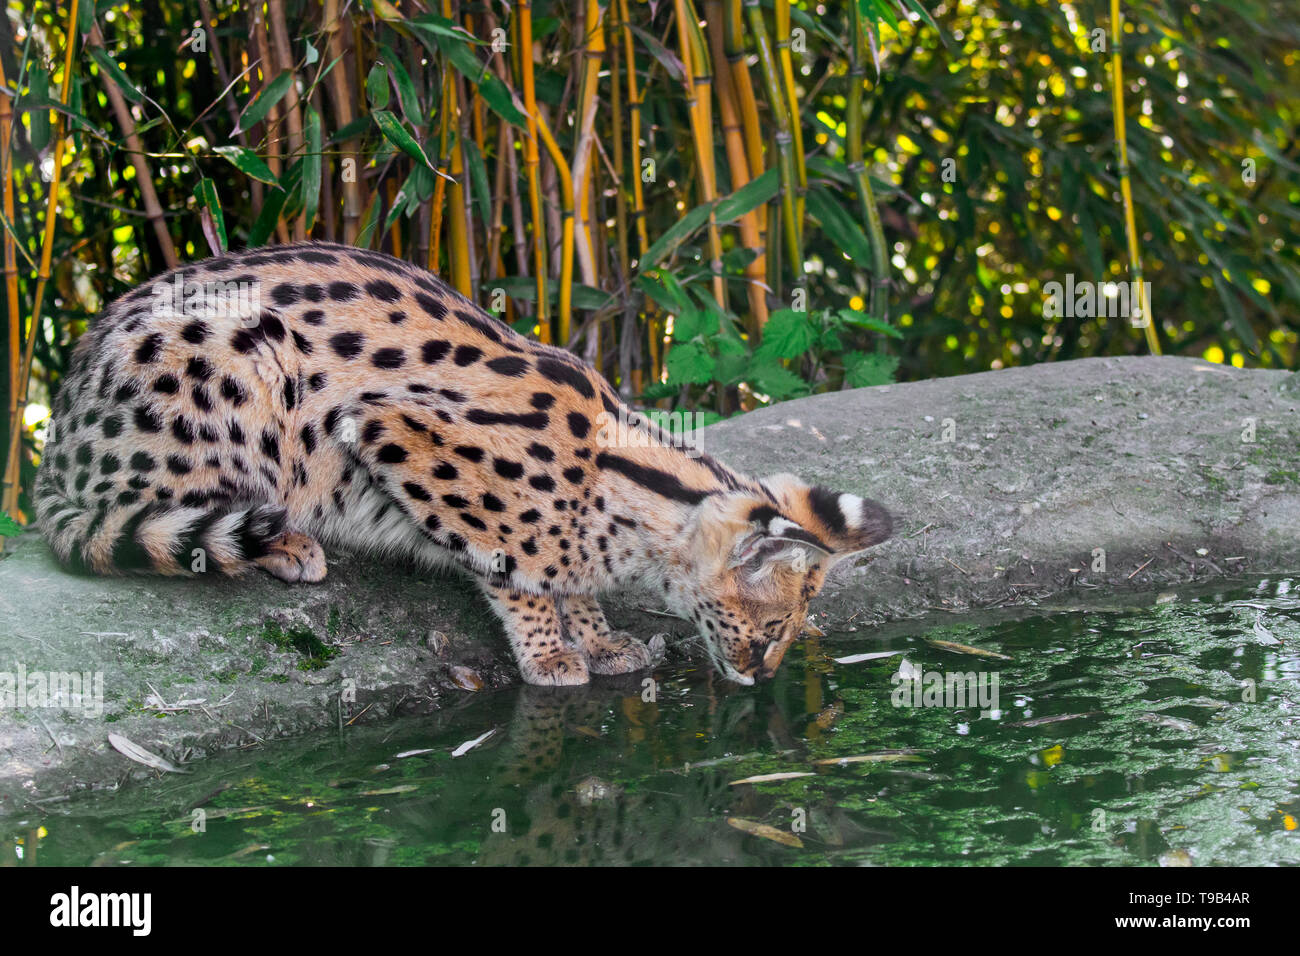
[965, 649]
[1174, 723]
[1262, 633]
[883, 756]
[133, 751]
[413, 753]
[859, 658]
[768, 777]
[1039, 721]
[753, 828]
[400, 788]
[469, 745]
[1175, 858]
[1166, 597]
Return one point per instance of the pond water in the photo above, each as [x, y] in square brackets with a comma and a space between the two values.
[1168, 734]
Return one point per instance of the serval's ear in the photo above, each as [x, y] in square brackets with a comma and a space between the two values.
[845, 524]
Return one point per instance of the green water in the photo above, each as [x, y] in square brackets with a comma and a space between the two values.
[1167, 760]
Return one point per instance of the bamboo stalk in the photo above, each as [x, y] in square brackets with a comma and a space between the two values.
[782, 24]
[593, 52]
[13, 455]
[285, 61]
[11, 292]
[743, 84]
[135, 151]
[738, 166]
[695, 65]
[523, 23]
[566, 241]
[879, 299]
[1126, 188]
[342, 97]
[261, 40]
[634, 101]
[440, 180]
[469, 271]
[783, 137]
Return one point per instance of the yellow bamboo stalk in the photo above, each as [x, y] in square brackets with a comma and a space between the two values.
[11, 288]
[738, 166]
[695, 65]
[13, 456]
[743, 83]
[782, 41]
[1126, 189]
[593, 53]
[566, 239]
[532, 160]
[634, 100]
[440, 182]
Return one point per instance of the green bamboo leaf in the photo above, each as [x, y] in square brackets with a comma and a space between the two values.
[839, 226]
[38, 96]
[377, 86]
[311, 168]
[396, 134]
[676, 234]
[457, 48]
[247, 162]
[872, 324]
[406, 94]
[480, 193]
[669, 60]
[213, 222]
[114, 72]
[267, 217]
[261, 104]
[750, 196]
[9, 528]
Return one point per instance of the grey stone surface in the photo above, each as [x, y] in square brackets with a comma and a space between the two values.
[1141, 457]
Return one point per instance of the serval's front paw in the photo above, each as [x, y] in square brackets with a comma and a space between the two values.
[617, 653]
[559, 668]
[294, 556]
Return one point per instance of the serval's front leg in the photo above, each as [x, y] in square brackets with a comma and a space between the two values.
[608, 652]
[532, 626]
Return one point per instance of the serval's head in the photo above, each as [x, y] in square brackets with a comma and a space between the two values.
[758, 564]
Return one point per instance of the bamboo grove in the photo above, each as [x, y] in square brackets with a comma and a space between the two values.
[719, 203]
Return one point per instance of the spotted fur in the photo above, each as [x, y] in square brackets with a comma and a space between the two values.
[366, 405]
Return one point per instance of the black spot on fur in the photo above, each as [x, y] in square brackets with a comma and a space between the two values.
[511, 365]
[383, 290]
[392, 454]
[508, 469]
[469, 452]
[467, 355]
[388, 358]
[654, 479]
[563, 373]
[195, 332]
[434, 350]
[542, 400]
[347, 344]
[148, 349]
[534, 420]
[579, 424]
[343, 291]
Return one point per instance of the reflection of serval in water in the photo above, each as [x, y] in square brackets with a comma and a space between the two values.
[570, 817]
